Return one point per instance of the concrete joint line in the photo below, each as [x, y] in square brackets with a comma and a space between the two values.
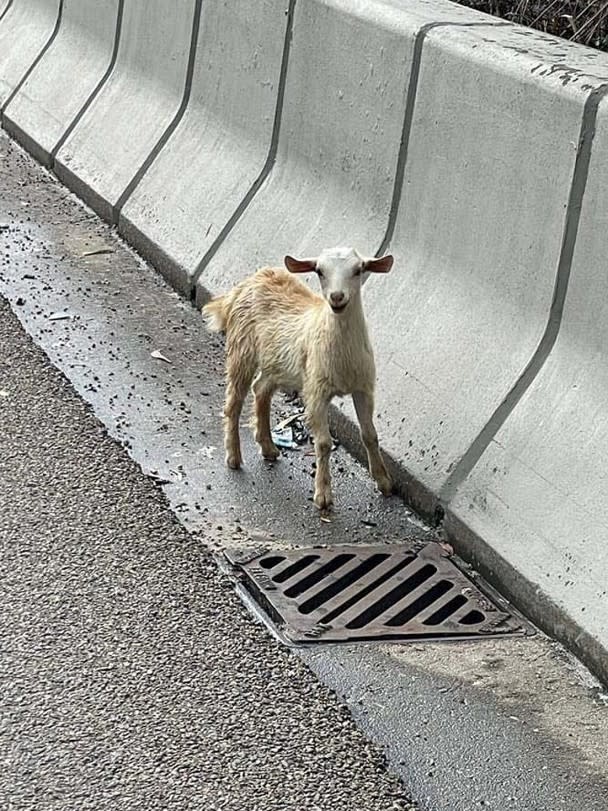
[408, 117]
[10, 3]
[270, 160]
[527, 377]
[78, 117]
[156, 149]
[30, 70]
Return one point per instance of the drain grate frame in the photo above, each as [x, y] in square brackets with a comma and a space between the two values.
[365, 593]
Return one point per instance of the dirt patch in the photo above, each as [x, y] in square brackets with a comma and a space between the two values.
[577, 20]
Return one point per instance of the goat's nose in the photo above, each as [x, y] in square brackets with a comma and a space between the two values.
[336, 298]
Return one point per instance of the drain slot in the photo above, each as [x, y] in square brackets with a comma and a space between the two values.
[381, 592]
[368, 589]
[393, 597]
[424, 601]
[447, 610]
[341, 584]
[315, 577]
[292, 570]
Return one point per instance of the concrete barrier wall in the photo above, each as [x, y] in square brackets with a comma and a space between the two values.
[25, 29]
[478, 237]
[538, 494]
[339, 138]
[466, 146]
[51, 97]
[221, 145]
[134, 107]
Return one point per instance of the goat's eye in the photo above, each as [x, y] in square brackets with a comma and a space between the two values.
[357, 272]
[319, 273]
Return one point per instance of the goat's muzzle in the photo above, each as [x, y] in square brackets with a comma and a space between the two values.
[337, 302]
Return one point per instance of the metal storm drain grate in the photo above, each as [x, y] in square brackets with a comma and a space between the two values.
[350, 593]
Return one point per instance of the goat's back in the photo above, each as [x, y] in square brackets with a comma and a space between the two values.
[276, 290]
[266, 318]
[269, 293]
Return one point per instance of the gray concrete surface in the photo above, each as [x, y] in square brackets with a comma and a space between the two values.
[539, 489]
[480, 305]
[131, 677]
[134, 107]
[50, 99]
[30, 23]
[338, 143]
[221, 145]
[503, 724]
[478, 236]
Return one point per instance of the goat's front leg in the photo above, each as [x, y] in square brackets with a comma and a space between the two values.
[364, 406]
[316, 411]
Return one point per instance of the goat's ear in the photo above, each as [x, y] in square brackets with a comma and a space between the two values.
[380, 265]
[300, 265]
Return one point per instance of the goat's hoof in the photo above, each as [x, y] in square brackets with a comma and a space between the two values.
[271, 453]
[234, 460]
[385, 486]
[323, 500]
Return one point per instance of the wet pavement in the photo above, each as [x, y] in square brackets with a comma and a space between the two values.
[103, 314]
[460, 723]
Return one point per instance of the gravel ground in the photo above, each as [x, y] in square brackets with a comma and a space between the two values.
[130, 675]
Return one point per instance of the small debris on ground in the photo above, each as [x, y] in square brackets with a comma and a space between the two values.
[97, 252]
[63, 316]
[283, 438]
[291, 432]
[287, 421]
[154, 474]
[158, 355]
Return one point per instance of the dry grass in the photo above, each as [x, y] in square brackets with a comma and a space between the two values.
[584, 21]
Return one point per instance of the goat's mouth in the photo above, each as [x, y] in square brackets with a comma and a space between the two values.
[338, 308]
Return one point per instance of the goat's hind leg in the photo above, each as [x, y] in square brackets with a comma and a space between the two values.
[262, 392]
[364, 406]
[239, 372]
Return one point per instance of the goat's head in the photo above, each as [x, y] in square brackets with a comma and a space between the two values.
[341, 272]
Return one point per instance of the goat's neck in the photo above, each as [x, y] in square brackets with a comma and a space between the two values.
[350, 324]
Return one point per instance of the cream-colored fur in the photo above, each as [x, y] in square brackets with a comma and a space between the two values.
[282, 335]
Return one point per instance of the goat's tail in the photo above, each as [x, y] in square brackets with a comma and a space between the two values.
[216, 313]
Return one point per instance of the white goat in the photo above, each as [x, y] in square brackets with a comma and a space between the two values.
[282, 335]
